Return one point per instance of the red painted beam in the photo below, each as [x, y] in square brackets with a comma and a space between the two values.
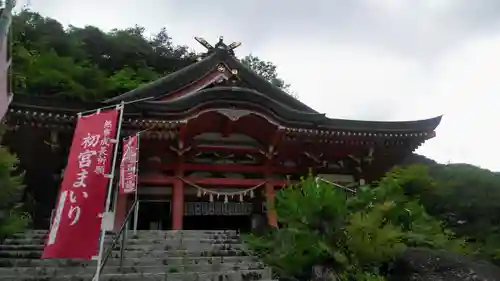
[158, 179]
[234, 182]
[232, 168]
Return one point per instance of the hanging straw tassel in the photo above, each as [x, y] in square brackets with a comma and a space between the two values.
[241, 197]
[251, 194]
[198, 193]
[225, 199]
[211, 198]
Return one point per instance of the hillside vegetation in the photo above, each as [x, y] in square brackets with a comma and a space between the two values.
[90, 64]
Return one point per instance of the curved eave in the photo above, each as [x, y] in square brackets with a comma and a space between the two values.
[171, 82]
[39, 103]
[232, 98]
[424, 125]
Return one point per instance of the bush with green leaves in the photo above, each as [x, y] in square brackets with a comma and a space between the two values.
[12, 216]
[356, 236]
[465, 197]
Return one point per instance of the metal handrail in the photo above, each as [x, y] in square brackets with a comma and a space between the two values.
[123, 235]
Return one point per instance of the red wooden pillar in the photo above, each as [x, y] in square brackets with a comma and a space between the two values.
[178, 184]
[271, 212]
[177, 204]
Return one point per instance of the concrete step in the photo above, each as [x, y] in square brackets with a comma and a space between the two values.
[185, 231]
[134, 241]
[160, 277]
[194, 247]
[206, 240]
[128, 261]
[247, 275]
[29, 262]
[148, 234]
[157, 253]
[7, 247]
[182, 253]
[190, 232]
[156, 232]
[150, 255]
[53, 271]
[41, 231]
[165, 245]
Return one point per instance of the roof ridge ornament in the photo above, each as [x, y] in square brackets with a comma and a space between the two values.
[219, 46]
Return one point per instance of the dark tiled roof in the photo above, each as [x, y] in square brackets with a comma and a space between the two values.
[162, 87]
[227, 97]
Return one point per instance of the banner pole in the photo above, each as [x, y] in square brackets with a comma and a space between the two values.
[136, 211]
[115, 198]
[110, 189]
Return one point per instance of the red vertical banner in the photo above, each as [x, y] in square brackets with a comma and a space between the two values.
[128, 165]
[76, 227]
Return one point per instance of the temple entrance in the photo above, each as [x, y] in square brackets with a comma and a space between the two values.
[218, 215]
[154, 215]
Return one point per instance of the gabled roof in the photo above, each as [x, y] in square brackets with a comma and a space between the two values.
[166, 99]
[219, 55]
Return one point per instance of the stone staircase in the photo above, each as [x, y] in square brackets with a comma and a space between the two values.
[150, 255]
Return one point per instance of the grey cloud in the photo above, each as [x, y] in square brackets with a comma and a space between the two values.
[417, 30]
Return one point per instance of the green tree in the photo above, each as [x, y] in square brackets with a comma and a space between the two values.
[265, 69]
[90, 64]
[87, 63]
[465, 197]
[356, 236]
[12, 217]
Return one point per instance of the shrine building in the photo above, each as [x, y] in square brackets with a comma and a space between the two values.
[217, 141]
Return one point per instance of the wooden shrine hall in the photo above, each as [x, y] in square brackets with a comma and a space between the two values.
[217, 142]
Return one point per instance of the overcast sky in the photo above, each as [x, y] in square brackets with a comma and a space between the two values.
[356, 59]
